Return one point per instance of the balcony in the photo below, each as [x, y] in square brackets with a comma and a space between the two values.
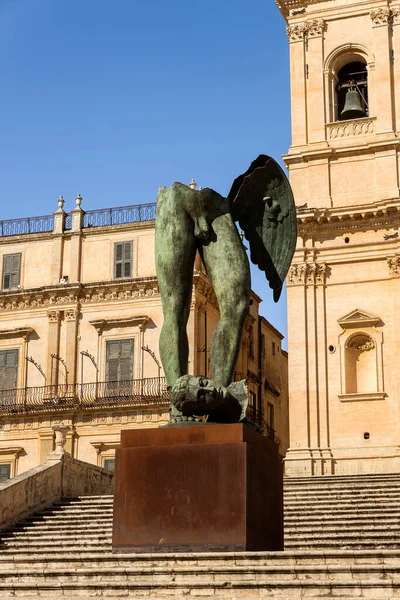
[87, 396]
[146, 393]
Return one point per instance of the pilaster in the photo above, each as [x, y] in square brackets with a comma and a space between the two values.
[296, 36]
[53, 343]
[381, 23]
[71, 317]
[315, 82]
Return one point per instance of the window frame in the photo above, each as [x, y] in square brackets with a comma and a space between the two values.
[123, 261]
[11, 272]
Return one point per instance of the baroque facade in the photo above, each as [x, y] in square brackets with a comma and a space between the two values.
[343, 285]
[80, 316]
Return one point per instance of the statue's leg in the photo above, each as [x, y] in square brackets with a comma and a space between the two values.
[175, 253]
[228, 268]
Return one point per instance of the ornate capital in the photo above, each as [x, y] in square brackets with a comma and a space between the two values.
[396, 14]
[71, 314]
[307, 273]
[316, 27]
[394, 265]
[54, 316]
[380, 16]
[296, 32]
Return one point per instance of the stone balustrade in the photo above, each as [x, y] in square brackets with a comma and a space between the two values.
[60, 477]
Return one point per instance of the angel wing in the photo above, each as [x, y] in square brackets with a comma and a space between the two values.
[263, 204]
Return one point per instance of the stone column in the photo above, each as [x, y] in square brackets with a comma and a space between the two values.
[298, 83]
[71, 317]
[53, 344]
[381, 19]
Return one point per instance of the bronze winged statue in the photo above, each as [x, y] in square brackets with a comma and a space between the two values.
[190, 220]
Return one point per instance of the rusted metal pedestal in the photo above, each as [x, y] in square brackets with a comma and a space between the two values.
[197, 488]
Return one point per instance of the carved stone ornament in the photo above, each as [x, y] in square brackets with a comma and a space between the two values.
[396, 14]
[54, 316]
[316, 27]
[351, 128]
[360, 342]
[309, 273]
[71, 314]
[296, 32]
[394, 265]
[380, 16]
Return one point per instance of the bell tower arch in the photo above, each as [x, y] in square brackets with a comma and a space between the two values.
[344, 169]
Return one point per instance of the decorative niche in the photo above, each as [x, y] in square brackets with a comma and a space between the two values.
[361, 360]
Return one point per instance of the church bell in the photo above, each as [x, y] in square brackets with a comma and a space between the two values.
[352, 107]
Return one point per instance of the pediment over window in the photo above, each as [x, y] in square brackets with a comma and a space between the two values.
[101, 324]
[24, 332]
[359, 318]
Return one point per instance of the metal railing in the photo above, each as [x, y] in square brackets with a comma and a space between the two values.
[26, 225]
[120, 215]
[255, 416]
[65, 397]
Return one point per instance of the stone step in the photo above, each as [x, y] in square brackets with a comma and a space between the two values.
[300, 507]
[335, 530]
[352, 517]
[339, 479]
[247, 588]
[40, 531]
[85, 558]
[36, 544]
[83, 499]
[342, 496]
[65, 519]
[261, 574]
[371, 543]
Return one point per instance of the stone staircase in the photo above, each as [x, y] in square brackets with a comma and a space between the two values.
[342, 540]
[353, 512]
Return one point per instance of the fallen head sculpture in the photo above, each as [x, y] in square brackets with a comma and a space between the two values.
[190, 220]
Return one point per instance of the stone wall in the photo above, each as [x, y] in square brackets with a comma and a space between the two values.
[59, 477]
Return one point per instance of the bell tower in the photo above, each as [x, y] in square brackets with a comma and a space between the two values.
[344, 283]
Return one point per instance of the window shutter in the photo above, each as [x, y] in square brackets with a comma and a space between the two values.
[16, 268]
[11, 271]
[119, 358]
[122, 259]
[112, 360]
[126, 360]
[8, 369]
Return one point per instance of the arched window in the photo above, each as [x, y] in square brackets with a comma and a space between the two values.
[352, 91]
[360, 364]
[349, 68]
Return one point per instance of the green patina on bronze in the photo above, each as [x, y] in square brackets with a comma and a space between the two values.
[191, 220]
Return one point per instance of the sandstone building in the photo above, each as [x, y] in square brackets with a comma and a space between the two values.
[80, 316]
[343, 286]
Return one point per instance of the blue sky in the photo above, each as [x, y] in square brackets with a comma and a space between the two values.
[113, 98]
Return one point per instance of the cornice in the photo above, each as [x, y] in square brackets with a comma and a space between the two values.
[61, 296]
[289, 8]
[377, 214]
[202, 286]
[327, 152]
